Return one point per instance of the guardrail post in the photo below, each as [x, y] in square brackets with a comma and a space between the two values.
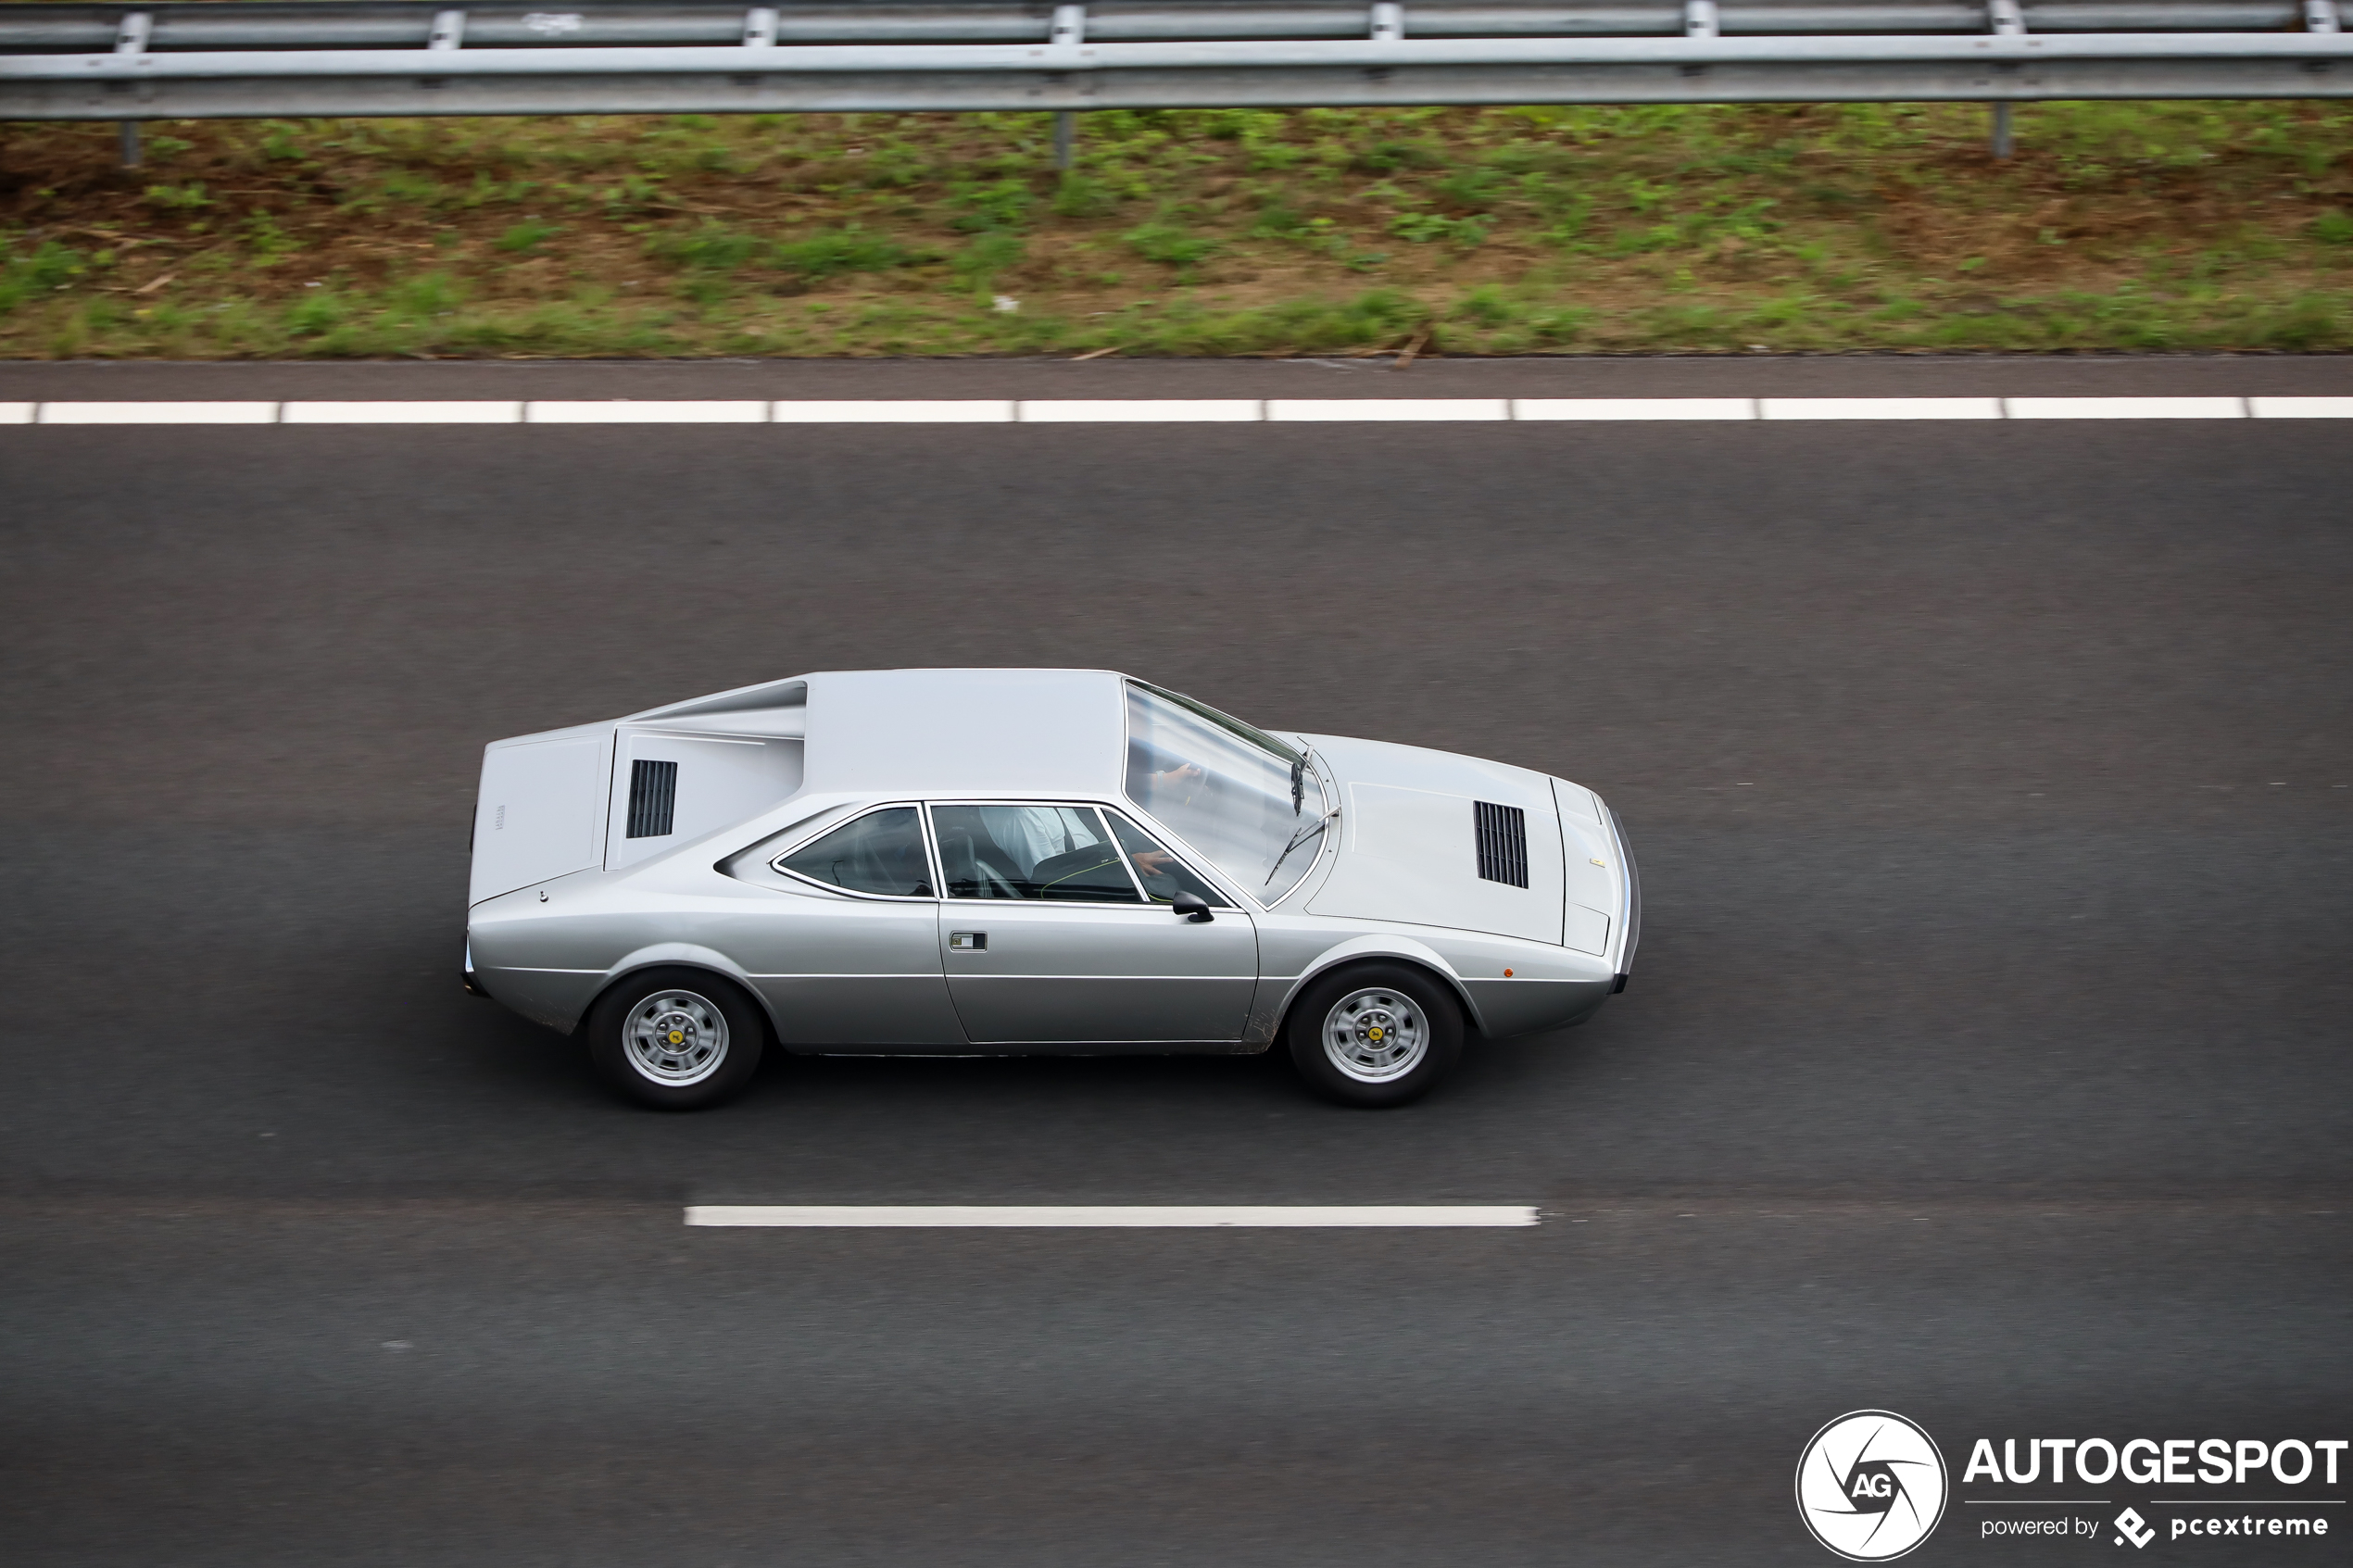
[1389, 22]
[1700, 19]
[448, 33]
[760, 27]
[1070, 31]
[131, 38]
[2007, 21]
[2319, 15]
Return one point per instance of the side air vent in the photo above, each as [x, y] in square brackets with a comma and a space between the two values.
[1503, 842]
[653, 801]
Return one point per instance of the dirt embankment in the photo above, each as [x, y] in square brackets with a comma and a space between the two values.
[1500, 231]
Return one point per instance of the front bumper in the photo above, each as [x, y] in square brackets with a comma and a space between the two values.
[472, 983]
[1633, 899]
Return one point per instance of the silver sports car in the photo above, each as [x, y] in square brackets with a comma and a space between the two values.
[951, 862]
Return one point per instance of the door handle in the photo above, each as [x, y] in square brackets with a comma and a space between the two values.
[968, 941]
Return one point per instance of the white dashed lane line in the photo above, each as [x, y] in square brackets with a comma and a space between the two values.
[1142, 410]
[2300, 408]
[157, 414]
[484, 413]
[1064, 1216]
[648, 411]
[2126, 407]
[1882, 407]
[1345, 410]
[1230, 410]
[963, 411]
[1617, 408]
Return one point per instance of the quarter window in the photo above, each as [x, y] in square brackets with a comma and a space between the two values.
[880, 852]
[1163, 874]
[1055, 853]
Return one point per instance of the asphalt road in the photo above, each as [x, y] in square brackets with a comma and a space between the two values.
[1986, 1060]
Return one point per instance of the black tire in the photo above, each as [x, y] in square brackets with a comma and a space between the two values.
[1402, 997]
[628, 1052]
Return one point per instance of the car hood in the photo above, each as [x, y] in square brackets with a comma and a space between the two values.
[1409, 840]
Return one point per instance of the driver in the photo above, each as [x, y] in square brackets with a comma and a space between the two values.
[1157, 867]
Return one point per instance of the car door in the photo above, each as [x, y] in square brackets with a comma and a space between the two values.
[849, 956]
[1049, 934]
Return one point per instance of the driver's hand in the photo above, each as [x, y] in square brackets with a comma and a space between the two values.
[1154, 862]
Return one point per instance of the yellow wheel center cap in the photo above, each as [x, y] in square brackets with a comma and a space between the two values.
[1376, 1032]
[677, 1036]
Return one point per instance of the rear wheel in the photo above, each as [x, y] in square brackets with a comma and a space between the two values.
[1374, 1034]
[676, 1039]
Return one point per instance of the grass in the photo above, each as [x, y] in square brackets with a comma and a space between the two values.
[2118, 227]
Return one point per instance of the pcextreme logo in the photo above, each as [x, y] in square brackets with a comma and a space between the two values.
[1871, 1485]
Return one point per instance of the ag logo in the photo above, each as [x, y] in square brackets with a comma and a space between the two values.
[1870, 1486]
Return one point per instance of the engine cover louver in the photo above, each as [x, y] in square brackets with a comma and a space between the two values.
[1503, 842]
[653, 799]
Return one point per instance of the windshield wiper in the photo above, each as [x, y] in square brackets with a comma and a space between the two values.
[1301, 836]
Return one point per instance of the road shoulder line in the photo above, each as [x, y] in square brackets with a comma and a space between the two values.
[1240, 410]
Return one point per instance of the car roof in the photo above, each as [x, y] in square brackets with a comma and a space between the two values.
[935, 731]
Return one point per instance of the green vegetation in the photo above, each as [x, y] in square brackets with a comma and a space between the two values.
[2119, 227]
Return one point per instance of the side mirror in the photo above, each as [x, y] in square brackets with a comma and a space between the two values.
[1190, 905]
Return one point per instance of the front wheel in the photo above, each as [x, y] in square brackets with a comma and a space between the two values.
[1374, 1034]
[675, 1039]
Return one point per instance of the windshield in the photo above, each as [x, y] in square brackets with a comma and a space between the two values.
[1243, 798]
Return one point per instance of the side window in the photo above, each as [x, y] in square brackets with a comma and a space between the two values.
[1059, 853]
[880, 852]
[1165, 875]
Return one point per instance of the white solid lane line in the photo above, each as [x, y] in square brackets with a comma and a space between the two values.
[1016, 1216]
[328, 413]
[16, 413]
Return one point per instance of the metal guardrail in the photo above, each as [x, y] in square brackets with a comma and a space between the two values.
[306, 57]
[388, 57]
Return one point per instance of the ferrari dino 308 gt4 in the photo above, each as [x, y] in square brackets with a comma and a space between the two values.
[953, 862]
